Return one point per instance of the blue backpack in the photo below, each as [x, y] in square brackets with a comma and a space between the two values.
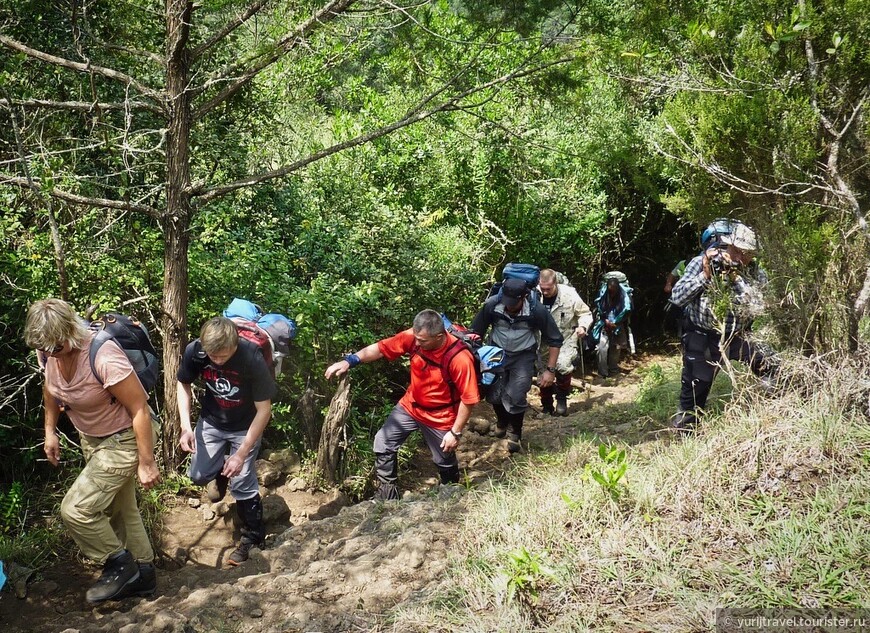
[250, 320]
[625, 307]
[529, 273]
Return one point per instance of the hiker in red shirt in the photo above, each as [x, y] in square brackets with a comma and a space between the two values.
[438, 401]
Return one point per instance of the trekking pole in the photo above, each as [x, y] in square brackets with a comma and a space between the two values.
[583, 366]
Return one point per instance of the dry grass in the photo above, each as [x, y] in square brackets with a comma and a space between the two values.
[768, 505]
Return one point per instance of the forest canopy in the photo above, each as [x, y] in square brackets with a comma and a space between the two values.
[349, 163]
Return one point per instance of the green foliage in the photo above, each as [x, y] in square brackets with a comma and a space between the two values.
[611, 470]
[12, 508]
[33, 548]
[524, 575]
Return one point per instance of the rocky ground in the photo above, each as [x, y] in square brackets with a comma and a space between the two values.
[328, 565]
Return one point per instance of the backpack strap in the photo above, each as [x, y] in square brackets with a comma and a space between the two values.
[98, 341]
[450, 353]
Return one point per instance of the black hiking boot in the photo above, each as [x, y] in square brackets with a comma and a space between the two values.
[561, 407]
[513, 443]
[683, 421]
[241, 553]
[387, 492]
[217, 488]
[119, 570]
[547, 400]
[500, 431]
[145, 585]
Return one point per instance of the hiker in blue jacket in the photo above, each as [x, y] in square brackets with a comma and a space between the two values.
[516, 321]
[725, 266]
[613, 306]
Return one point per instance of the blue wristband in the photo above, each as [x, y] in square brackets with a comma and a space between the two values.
[352, 359]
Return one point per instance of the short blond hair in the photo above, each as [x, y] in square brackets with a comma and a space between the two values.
[218, 334]
[548, 276]
[52, 323]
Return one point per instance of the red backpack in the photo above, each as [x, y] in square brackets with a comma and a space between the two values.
[252, 332]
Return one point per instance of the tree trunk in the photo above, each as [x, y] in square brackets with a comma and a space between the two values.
[329, 451]
[176, 220]
[310, 419]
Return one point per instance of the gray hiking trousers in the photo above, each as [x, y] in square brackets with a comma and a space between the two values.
[389, 439]
[211, 451]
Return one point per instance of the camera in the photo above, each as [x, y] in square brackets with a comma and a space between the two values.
[720, 266]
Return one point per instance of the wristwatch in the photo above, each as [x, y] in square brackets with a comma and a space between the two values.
[552, 370]
[455, 434]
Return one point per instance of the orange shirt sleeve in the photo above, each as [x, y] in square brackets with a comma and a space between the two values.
[397, 345]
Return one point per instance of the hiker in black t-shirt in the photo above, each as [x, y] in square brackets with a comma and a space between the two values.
[236, 407]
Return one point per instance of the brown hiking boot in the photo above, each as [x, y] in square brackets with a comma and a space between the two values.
[242, 552]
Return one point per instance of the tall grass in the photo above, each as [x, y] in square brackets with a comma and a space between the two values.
[767, 505]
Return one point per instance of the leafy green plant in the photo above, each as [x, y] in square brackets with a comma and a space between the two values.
[524, 576]
[11, 508]
[611, 471]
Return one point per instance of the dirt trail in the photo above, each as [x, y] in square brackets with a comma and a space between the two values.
[326, 567]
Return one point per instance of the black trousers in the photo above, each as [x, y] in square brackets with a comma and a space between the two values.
[701, 362]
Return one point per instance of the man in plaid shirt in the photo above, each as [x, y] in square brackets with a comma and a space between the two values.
[726, 267]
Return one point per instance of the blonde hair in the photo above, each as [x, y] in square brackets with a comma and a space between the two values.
[53, 322]
[218, 334]
[548, 276]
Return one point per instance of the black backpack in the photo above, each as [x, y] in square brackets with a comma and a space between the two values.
[132, 337]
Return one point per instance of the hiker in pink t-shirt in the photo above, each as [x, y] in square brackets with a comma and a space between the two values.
[110, 411]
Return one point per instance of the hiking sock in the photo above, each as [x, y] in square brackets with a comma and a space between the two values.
[250, 513]
[502, 419]
[513, 443]
[516, 423]
[217, 488]
[562, 388]
[253, 519]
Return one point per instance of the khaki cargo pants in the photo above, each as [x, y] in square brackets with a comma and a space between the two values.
[100, 508]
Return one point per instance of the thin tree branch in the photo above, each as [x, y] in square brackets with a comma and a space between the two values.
[83, 68]
[415, 115]
[79, 106]
[229, 27]
[60, 194]
[328, 13]
[59, 258]
[731, 180]
[135, 52]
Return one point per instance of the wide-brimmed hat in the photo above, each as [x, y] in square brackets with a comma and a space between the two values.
[741, 237]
